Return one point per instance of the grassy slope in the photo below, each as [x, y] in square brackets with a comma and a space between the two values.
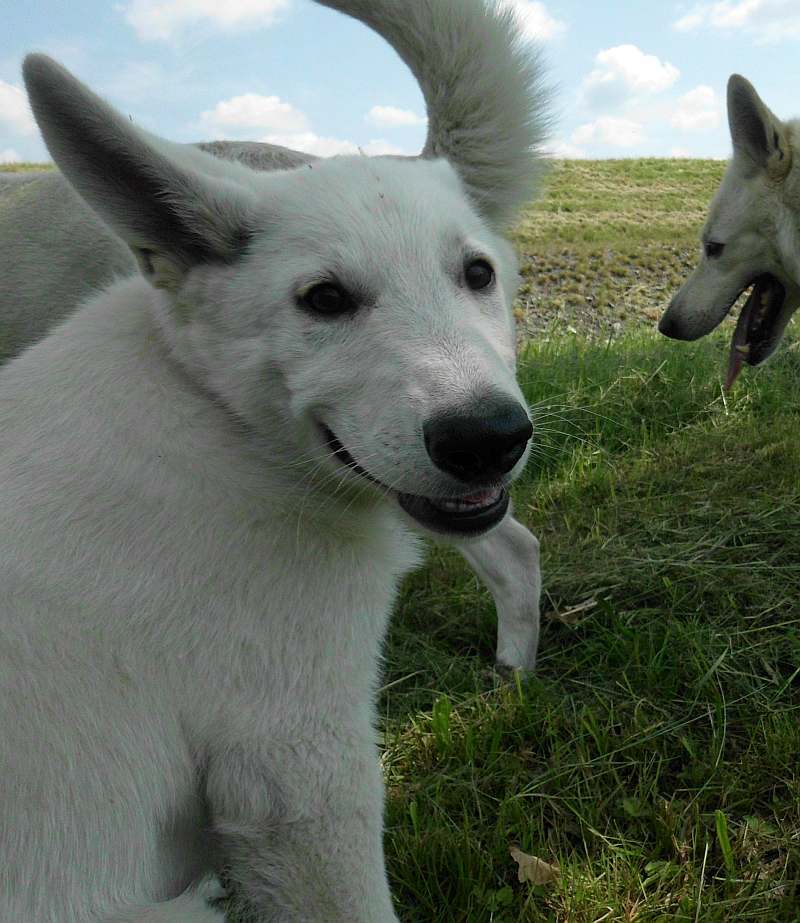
[654, 755]
[611, 240]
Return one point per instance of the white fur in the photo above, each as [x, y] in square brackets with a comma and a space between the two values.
[56, 252]
[195, 594]
[755, 214]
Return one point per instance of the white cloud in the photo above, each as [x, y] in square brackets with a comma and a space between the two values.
[626, 70]
[15, 111]
[728, 15]
[378, 146]
[698, 110]
[252, 112]
[312, 143]
[766, 20]
[9, 155]
[535, 20]
[271, 120]
[391, 115]
[566, 149]
[610, 131]
[688, 22]
[699, 153]
[161, 20]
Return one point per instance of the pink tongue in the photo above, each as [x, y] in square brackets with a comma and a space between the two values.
[482, 497]
[735, 363]
[739, 341]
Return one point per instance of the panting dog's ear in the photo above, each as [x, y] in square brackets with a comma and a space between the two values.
[758, 135]
[171, 216]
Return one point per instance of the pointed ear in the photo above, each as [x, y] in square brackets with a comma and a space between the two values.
[172, 216]
[757, 134]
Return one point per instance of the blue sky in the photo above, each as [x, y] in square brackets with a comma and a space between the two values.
[632, 77]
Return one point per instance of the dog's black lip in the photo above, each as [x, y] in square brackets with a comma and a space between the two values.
[433, 517]
[424, 510]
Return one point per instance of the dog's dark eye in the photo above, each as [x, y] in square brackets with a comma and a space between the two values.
[329, 299]
[713, 248]
[478, 274]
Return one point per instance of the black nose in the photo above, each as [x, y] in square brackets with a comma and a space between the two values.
[481, 442]
[669, 327]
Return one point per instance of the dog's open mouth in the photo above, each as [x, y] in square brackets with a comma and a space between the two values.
[756, 333]
[467, 514]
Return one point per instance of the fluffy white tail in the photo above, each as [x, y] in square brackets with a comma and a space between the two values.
[483, 88]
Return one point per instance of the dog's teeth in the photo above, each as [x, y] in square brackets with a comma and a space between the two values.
[468, 504]
[743, 349]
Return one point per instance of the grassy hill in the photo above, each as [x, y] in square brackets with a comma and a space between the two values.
[610, 241]
[654, 756]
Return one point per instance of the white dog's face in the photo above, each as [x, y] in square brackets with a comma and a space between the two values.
[372, 313]
[744, 241]
[734, 252]
[739, 250]
[356, 314]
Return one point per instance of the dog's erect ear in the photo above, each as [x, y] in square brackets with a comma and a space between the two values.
[757, 134]
[170, 215]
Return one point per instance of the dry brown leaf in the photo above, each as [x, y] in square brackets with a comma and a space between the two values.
[572, 616]
[533, 869]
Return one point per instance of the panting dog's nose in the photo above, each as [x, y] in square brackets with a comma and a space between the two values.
[479, 443]
[669, 327]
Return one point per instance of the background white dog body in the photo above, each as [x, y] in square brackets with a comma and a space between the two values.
[56, 252]
[197, 573]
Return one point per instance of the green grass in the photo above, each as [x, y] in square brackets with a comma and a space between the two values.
[655, 754]
[604, 201]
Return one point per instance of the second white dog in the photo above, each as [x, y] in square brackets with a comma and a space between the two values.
[751, 238]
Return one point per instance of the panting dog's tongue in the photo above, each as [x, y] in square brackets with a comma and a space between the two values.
[754, 337]
[740, 348]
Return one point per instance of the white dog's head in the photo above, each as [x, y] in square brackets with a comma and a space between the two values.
[371, 303]
[750, 239]
[357, 310]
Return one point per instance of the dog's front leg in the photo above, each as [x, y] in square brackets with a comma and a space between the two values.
[300, 830]
[507, 561]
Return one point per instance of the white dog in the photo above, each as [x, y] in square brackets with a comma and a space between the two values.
[55, 252]
[208, 477]
[751, 238]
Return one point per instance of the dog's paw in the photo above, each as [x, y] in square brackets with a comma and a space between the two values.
[508, 670]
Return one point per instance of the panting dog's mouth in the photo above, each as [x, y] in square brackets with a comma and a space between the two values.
[468, 514]
[756, 335]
